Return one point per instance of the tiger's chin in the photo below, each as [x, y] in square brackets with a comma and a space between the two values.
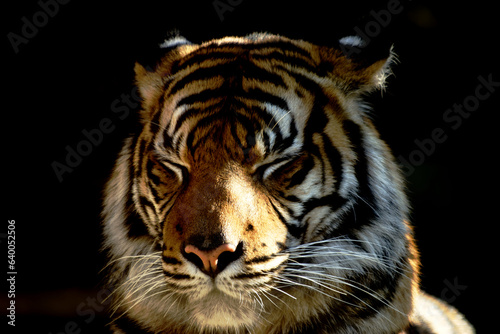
[219, 311]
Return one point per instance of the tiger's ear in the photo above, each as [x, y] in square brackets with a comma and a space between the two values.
[357, 67]
[154, 67]
[148, 82]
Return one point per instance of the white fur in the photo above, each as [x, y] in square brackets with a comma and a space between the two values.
[352, 41]
[174, 42]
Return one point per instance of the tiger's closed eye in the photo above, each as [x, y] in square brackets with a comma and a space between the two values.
[170, 167]
[264, 171]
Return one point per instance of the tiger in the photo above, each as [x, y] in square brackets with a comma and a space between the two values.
[258, 197]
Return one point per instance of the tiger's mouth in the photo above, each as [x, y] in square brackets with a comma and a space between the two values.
[233, 282]
[236, 297]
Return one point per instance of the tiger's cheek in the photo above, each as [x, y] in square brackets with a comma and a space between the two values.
[173, 235]
[251, 215]
[265, 234]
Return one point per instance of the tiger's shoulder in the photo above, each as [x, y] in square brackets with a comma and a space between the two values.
[433, 316]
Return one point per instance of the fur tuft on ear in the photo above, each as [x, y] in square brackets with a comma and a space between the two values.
[357, 67]
[174, 42]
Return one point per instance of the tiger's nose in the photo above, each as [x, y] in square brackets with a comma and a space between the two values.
[212, 261]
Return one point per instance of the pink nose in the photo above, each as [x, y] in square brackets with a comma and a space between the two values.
[210, 259]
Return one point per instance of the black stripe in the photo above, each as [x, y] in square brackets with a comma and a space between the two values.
[225, 93]
[250, 275]
[288, 141]
[361, 168]
[171, 260]
[334, 201]
[335, 160]
[364, 210]
[203, 55]
[154, 192]
[260, 259]
[133, 222]
[265, 117]
[161, 102]
[223, 70]
[262, 168]
[291, 60]
[251, 71]
[203, 123]
[295, 230]
[139, 151]
[207, 95]
[267, 144]
[177, 276]
[234, 49]
[259, 273]
[317, 119]
[251, 128]
[193, 112]
[132, 170]
[230, 72]
[327, 230]
[301, 174]
[283, 46]
[164, 205]
[145, 202]
[167, 140]
[149, 171]
[163, 162]
[177, 145]
[280, 142]
[261, 96]
[269, 121]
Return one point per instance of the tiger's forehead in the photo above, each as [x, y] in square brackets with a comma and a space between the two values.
[246, 134]
[264, 90]
[300, 53]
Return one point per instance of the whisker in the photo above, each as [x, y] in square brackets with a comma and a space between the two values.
[352, 284]
[281, 118]
[269, 294]
[139, 299]
[317, 283]
[173, 302]
[142, 286]
[279, 290]
[127, 257]
[310, 287]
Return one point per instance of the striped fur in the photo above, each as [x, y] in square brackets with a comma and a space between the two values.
[261, 142]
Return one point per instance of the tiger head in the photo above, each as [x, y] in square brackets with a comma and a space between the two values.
[258, 196]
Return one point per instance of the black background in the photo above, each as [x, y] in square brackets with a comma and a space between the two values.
[80, 61]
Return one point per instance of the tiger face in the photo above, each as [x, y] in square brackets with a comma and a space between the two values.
[258, 197]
